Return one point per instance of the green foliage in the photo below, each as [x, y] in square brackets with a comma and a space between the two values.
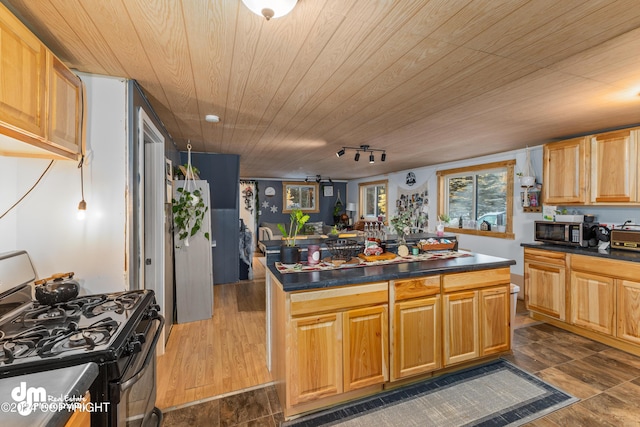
[444, 217]
[298, 220]
[402, 223]
[188, 213]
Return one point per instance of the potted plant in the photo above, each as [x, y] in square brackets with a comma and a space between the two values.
[289, 252]
[188, 213]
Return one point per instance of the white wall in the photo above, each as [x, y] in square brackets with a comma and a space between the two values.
[8, 233]
[522, 222]
[45, 223]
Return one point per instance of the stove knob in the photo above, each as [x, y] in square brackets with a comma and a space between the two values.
[152, 311]
[140, 338]
[134, 347]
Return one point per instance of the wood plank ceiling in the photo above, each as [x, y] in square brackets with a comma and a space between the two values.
[429, 81]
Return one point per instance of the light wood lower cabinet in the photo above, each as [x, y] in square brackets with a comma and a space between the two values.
[495, 319]
[603, 296]
[339, 343]
[316, 357]
[417, 337]
[544, 275]
[461, 329]
[343, 347]
[592, 301]
[628, 304]
[365, 347]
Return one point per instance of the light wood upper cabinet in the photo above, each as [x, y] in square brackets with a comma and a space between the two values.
[41, 107]
[417, 337]
[65, 107]
[544, 281]
[565, 172]
[628, 314]
[365, 347]
[614, 164]
[316, 357]
[592, 301]
[495, 317]
[22, 79]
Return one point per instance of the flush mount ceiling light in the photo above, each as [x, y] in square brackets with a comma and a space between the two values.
[212, 118]
[364, 149]
[270, 8]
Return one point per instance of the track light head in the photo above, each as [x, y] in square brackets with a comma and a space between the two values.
[383, 157]
[371, 158]
[318, 178]
[357, 157]
[340, 152]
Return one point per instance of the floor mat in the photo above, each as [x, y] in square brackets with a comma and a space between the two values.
[497, 394]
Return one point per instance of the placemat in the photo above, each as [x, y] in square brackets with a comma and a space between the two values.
[303, 267]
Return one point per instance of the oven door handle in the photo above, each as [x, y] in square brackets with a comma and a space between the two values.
[150, 354]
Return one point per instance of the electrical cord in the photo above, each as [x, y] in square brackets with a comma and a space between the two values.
[29, 191]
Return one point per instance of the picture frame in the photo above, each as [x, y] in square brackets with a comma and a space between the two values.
[168, 167]
[327, 191]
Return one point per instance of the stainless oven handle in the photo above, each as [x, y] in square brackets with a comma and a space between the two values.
[150, 354]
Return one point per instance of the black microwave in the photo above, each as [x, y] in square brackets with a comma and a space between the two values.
[563, 233]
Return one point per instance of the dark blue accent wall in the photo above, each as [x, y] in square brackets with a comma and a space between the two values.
[326, 203]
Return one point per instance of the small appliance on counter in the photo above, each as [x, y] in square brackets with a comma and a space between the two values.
[583, 234]
[627, 238]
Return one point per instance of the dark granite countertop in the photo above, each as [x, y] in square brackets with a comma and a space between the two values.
[349, 276]
[617, 254]
[71, 382]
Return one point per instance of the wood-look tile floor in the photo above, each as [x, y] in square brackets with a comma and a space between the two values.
[605, 379]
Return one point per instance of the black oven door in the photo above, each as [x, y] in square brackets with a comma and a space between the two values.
[138, 384]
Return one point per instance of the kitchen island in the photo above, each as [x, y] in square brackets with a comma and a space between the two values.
[350, 332]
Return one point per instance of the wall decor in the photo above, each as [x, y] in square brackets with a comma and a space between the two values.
[269, 191]
[411, 179]
[414, 203]
[327, 190]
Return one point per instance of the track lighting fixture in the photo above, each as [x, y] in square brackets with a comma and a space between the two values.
[364, 149]
[318, 179]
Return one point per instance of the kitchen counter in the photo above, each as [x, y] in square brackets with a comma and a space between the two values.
[349, 276]
[337, 335]
[72, 382]
[617, 254]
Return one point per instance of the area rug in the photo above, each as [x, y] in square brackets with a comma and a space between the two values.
[496, 394]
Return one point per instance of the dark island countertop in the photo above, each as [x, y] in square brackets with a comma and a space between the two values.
[350, 276]
[617, 254]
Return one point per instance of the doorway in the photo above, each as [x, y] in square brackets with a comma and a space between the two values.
[152, 228]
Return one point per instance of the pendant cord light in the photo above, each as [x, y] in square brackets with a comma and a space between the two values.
[82, 206]
[28, 191]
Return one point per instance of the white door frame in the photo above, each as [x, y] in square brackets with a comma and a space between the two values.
[151, 233]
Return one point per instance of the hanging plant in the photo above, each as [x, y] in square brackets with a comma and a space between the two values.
[188, 213]
[189, 208]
